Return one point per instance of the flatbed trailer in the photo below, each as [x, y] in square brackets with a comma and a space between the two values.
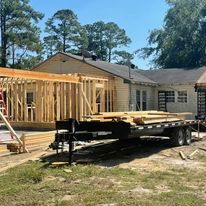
[71, 130]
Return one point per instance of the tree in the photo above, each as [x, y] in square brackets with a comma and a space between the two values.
[19, 33]
[104, 37]
[115, 37]
[97, 39]
[65, 32]
[28, 61]
[50, 45]
[123, 57]
[182, 40]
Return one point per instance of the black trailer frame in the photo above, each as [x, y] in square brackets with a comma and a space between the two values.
[71, 130]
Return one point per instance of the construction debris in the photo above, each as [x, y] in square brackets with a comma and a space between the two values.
[182, 155]
[59, 164]
[67, 170]
[192, 154]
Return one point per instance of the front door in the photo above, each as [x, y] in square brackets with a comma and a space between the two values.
[162, 101]
[201, 104]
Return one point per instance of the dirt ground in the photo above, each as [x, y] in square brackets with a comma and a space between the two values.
[148, 154]
[137, 172]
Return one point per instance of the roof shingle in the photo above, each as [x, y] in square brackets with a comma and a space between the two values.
[174, 76]
[152, 77]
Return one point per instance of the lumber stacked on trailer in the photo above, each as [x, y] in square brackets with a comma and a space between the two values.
[138, 118]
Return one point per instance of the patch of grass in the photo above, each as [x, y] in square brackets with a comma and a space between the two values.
[179, 198]
[61, 203]
[30, 175]
[35, 184]
[202, 157]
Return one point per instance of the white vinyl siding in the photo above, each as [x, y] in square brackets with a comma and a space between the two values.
[176, 107]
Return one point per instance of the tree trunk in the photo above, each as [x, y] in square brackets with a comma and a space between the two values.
[64, 44]
[110, 54]
[13, 55]
[101, 48]
[3, 37]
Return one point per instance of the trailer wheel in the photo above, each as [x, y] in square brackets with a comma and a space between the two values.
[177, 137]
[187, 136]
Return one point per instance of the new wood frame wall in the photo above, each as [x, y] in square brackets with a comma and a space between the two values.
[55, 97]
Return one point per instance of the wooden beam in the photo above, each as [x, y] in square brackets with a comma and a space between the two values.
[16, 73]
[92, 78]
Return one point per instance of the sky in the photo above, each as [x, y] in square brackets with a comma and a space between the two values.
[137, 17]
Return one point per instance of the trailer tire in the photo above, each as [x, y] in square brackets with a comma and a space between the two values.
[177, 137]
[187, 136]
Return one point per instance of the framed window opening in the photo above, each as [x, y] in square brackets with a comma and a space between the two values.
[29, 98]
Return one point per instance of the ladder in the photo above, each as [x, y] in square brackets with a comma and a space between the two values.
[3, 108]
[2, 104]
[13, 133]
[4, 119]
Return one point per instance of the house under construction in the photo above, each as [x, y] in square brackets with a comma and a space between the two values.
[37, 99]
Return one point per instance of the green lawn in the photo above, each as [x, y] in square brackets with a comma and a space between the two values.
[35, 183]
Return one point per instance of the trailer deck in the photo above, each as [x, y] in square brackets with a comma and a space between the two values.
[71, 130]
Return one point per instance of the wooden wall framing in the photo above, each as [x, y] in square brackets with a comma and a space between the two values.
[42, 97]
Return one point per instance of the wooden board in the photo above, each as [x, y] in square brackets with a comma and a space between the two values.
[34, 140]
[153, 121]
[17, 73]
[37, 97]
[139, 117]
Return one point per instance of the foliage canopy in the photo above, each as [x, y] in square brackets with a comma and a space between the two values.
[182, 40]
[19, 34]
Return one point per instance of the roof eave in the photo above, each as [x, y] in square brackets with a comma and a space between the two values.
[176, 84]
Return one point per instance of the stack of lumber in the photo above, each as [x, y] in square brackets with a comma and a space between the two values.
[37, 140]
[32, 141]
[3, 149]
[138, 118]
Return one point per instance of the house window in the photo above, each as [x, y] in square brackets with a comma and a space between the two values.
[170, 96]
[29, 98]
[138, 100]
[182, 96]
[141, 100]
[144, 100]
